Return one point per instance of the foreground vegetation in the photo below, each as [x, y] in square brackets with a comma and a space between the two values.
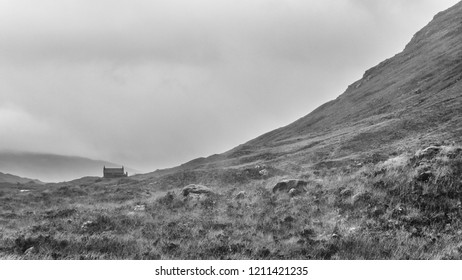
[407, 206]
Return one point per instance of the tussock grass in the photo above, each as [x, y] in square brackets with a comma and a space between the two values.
[404, 207]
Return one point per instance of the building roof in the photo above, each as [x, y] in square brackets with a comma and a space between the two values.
[116, 169]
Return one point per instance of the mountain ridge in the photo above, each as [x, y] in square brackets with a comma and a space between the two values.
[407, 101]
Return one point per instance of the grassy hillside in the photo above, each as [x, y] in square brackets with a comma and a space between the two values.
[405, 207]
[408, 101]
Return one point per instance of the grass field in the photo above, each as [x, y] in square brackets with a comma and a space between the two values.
[404, 207]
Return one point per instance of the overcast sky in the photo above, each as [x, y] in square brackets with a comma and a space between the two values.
[154, 83]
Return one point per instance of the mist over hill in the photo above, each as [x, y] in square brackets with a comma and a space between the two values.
[52, 168]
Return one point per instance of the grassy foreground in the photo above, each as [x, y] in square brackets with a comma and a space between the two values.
[405, 207]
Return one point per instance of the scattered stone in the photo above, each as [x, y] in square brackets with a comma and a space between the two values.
[336, 235]
[294, 192]
[287, 185]
[346, 192]
[424, 176]
[88, 224]
[428, 152]
[240, 195]
[30, 251]
[196, 189]
[398, 211]
[352, 229]
[263, 172]
[141, 207]
[260, 167]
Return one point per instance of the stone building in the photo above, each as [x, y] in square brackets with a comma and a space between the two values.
[114, 172]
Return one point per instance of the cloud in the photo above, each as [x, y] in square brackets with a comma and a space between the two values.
[25, 132]
[155, 83]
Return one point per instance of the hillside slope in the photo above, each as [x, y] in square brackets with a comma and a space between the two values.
[407, 101]
[13, 179]
[416, 93]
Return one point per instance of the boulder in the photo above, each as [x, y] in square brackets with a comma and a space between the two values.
[288, 185]
[353, 229]
[240, 195]
[362, 199]
[196, 189]
[88, 224]
[346, 192]
[140, 207]
[30, 251]
[428, 152]
[424, 176]
[294, 192]
[260, 167]
[263, 172]
[336, 235]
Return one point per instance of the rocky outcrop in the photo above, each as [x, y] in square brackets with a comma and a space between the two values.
[295, 186]
[196, 189]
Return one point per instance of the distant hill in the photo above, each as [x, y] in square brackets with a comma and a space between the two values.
[52, 168]
[408, 101]
[13, 179]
